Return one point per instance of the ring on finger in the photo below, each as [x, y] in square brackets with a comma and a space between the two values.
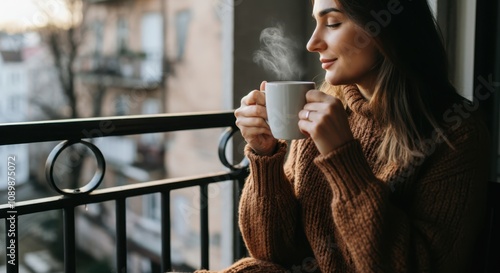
[307, 114]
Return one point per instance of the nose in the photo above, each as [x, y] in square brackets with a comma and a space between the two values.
[316, 43]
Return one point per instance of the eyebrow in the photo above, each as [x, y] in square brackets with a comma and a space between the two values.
[326, 11]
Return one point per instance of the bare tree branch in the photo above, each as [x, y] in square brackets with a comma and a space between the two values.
[48, 110]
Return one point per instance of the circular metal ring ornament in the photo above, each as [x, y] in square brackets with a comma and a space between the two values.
[226, 136]
[94, 182]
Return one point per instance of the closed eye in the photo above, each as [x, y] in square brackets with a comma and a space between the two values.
[333, 25]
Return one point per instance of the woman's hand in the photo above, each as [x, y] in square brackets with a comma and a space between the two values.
[251, 118]
[324, 119]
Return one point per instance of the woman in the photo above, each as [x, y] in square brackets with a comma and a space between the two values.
[390, 179]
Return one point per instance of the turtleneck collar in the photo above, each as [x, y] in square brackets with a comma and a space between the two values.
[356, 102]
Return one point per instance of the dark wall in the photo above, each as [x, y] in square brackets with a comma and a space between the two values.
[487, 66]
[250, 18]
[253, 16]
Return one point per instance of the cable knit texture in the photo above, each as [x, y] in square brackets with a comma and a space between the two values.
[346, 212]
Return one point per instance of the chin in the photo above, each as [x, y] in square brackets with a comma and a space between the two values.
[332, 80]
[335, 79]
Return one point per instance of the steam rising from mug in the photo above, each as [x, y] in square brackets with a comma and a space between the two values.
[279, 54]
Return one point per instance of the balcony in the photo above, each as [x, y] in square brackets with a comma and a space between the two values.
[129, 70]
[69, 201]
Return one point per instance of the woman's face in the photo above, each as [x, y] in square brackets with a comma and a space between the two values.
[347, 52]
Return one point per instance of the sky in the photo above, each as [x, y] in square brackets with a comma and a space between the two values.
[21, 15]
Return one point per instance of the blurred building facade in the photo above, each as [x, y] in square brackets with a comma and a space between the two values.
[136, 57]
[14, 88]
[149, 57]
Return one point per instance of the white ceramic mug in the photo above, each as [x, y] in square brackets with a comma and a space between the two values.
[284, 100]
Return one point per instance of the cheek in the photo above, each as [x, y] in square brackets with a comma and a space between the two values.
[370, 56]
[351, 44]
[362, 58]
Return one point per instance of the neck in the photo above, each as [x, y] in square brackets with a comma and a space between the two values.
[366, 91]
[367, 85]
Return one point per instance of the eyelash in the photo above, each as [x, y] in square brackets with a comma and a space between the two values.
[333, 25]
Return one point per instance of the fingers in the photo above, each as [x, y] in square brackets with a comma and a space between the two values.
[321, 112]
[255, 111]
[252, 112]
[318, 96]
[251, 116]
[255, 97]
[308, 120]
[318, 101]
[307, 115]
[326, 123]
[263, 85]
[251, 121]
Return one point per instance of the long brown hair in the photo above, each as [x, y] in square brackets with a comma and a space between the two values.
[412, 89]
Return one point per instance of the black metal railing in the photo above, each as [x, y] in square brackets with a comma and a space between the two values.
[74, 131]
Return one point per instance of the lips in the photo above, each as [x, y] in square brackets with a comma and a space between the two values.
[326, 63]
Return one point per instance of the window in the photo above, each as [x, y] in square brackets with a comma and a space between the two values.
[15, 78]
[182, 19]
[121, 105]
[122, 35]
[99, 37]
[15, 104]
[152, 45]
[487, 74]
[152, 206]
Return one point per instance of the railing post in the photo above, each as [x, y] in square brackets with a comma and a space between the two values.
[121, 236]
[69, 240]
[239, 249]
[204, 226]
[166, 261]
[239, 173]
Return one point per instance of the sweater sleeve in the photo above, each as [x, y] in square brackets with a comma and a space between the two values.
[435, 231]
[269, 211]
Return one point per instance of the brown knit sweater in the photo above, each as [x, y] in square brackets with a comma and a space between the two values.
[345, 212]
